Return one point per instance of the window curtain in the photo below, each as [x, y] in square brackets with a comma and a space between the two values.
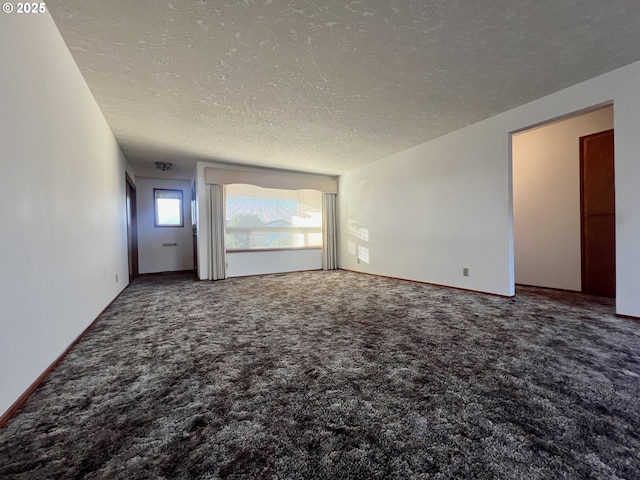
[329, 232]
[217, 254]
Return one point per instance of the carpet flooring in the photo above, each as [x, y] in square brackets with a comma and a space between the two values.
[332, 375]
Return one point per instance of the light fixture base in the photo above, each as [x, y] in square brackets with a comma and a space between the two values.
[164, 166]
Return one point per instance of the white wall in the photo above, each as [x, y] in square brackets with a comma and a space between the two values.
[427, 213]
[546, 200]
[446, 204]
[241, 264]
[62, 191]
[153, 255]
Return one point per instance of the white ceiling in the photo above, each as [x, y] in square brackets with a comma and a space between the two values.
[324, 85]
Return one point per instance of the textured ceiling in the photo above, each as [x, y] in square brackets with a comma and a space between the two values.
[323, 85]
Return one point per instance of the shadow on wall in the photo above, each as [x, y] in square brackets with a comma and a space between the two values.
[355, 247]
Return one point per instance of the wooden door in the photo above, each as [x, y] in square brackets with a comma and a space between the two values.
[597, 189]
[132, 229]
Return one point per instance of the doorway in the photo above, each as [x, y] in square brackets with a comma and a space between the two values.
[598, 215]
[547, 218]
[132, 228]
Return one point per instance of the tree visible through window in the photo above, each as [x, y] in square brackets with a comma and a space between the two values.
[267, 218]
[168, 207]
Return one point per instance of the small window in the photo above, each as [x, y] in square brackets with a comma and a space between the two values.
[168, 207]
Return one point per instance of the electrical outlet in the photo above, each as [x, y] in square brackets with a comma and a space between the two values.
[465, 272]
[116, 278]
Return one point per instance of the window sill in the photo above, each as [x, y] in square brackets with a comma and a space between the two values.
[250, 250]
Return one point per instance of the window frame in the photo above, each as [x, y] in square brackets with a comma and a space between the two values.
[179, 196]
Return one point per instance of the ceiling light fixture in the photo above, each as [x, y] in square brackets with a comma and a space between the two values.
[164, 166]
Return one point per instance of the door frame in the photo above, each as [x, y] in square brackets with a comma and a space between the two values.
[132, 227]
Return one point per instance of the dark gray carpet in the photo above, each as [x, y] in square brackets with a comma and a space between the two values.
[323, 375]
